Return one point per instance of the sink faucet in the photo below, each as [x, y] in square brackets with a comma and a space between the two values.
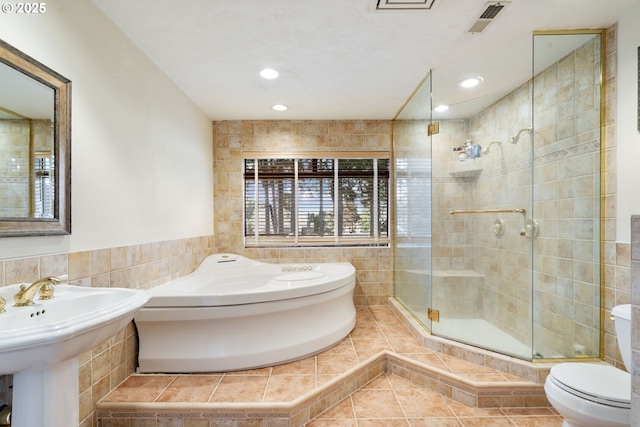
[24, 296]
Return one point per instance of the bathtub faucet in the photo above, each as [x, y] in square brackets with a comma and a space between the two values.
[24, 297]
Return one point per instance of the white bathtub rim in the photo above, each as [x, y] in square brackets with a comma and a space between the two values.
[197, 289]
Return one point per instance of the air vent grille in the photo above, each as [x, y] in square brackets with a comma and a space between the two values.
[490, 12]
[404, 4]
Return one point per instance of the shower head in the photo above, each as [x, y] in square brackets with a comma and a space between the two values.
[514, 139]
[487, 149]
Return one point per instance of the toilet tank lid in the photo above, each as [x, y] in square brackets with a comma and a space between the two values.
[623, 311]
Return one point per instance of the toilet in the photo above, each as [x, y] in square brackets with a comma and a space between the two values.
[591, 394]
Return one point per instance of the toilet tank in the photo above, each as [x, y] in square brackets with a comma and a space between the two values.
[622, 315]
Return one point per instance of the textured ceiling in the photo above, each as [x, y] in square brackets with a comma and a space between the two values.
[340, 59]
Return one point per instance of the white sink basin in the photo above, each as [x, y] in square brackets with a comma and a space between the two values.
[52, 331]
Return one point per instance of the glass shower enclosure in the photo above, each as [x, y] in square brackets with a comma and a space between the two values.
[497, 215]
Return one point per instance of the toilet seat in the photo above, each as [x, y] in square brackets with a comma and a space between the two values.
[601, 384]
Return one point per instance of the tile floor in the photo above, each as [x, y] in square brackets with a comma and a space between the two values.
[388, 400]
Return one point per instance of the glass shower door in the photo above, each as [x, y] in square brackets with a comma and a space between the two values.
[482, 204]
[498, 203]
[412, 187]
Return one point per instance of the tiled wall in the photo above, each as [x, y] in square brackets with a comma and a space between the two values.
[635, 315]
[565, 193]
[16, 139]
[374, 280]
[138, 266]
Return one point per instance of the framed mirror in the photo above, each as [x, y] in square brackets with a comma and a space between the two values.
[35, 147]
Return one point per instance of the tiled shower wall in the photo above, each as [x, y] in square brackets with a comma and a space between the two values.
[565, 175]
[138, 266]
[16, 139]
[374, 276]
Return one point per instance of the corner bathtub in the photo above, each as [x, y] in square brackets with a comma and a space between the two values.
[234, 313]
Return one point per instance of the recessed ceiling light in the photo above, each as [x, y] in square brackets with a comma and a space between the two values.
[470, 82]
[269, 73]
[441, 108]
[280, 107]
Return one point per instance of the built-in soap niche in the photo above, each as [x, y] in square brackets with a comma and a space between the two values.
[466, 168]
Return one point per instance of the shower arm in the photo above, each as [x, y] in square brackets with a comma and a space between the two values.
[487, 149]
[514, 139]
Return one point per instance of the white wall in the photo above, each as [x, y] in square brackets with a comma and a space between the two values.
[141, 151]
[628, 140]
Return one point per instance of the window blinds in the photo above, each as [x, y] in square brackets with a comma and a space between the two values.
[319, 201]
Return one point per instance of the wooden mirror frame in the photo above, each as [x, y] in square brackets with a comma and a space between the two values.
[61, 221]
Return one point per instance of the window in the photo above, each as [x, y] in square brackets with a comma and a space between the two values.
[322, 200]
[43, 186]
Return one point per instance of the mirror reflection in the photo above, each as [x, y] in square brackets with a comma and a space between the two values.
[27, 162]
[35, 147]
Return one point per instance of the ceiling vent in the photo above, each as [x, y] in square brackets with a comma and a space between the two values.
[490, 12]
[404, 4]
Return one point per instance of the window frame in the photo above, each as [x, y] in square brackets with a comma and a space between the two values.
[297, 239]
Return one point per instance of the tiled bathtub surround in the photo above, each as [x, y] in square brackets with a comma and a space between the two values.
[374, 282]
[292, 394]
[137, 266]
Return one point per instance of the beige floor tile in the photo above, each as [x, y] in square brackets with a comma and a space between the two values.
[395, 331]
[537, 421]
[241, 388]
[190, 388]
[420, 403]
[408, 345]
[524, 412]
[434, 422]
[367, 331]
[305, 366]
[140, 388]
[486, 422]
[461, 410]
[259, 371]
[383, 422]
[336, 364]
[344, 347]
[376, 404]
[341, 410]
[381, 382]
[332, 423]
[369, 346]
[285, 388]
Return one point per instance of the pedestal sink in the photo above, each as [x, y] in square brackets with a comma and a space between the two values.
[40, 343]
